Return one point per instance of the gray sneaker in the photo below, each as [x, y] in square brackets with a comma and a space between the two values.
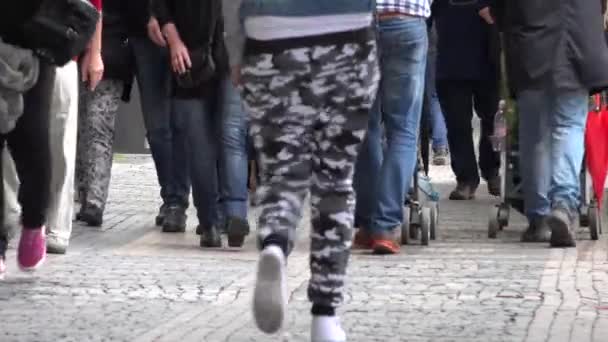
[441, 156]
[562, 228]
[538, 231]
[270, 294]
[55, 245]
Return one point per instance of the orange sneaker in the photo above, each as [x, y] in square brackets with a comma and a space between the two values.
[387, 243]
[362, 240]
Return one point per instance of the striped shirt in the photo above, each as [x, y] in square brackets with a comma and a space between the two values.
[418, 8]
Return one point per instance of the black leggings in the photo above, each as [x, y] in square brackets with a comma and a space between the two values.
[29, 146]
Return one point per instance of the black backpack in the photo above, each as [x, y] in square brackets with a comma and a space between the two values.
[61, 29]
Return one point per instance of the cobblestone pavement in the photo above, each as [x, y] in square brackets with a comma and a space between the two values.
[129, 282]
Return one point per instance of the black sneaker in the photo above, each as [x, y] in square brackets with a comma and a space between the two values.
[494, 185]
[175, 221]
[92, 216]
[162, 213]
[236, 229]
[463, 192]
[441, 156]
[562, 228]
[210, 237]
[538, 231]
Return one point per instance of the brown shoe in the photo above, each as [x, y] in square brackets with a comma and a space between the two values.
[387, 242]
[362, 240]
[463, 192]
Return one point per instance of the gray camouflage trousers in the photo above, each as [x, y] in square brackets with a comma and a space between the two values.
[97, 116]
[308, 112]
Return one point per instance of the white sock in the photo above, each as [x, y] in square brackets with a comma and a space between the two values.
[327, 329]
[270, 294]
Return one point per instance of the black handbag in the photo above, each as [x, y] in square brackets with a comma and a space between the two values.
[203, 66]
[61, 29]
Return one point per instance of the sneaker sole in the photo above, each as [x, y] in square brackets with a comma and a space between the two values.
[384, 248]
[174, 229]
[269, 298]
[459, 198]
[32, 268]
[560, 232]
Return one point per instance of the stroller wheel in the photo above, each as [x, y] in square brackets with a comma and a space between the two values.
[585, 216]
[595, 222]
[434, 220]
[425, 226]
[494, 223]
[415, 223]
[405, 227]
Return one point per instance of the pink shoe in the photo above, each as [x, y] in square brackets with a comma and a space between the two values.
[32, 249]
[2, 268]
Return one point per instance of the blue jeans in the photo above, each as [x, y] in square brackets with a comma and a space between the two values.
[233, 152]
[431, 109]
[551, 134]
[196, 114]
[217, 152]
[383, 177]
[166, 137]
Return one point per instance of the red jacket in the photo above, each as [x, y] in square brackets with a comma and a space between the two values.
[96, 3]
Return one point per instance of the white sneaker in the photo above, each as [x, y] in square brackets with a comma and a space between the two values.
[326, 329]
[270, 295]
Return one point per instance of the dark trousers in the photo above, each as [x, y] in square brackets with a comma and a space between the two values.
[458, 100]
[29, 146]
[167, 138]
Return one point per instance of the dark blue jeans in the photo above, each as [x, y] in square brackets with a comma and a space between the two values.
[216, 141]
[383, 176]
[233, 151]
[202, 139]
[167, 138]
[431, 109]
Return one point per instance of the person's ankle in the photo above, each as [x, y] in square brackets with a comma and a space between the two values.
[322, 310]
[276, 240]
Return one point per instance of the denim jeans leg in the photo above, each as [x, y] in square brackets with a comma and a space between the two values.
[432, 108]
[535, 140]
[180, 159]
[367, 169]
[152, 73]
[403, 50]
[233, 152]
[195, 117]
[567, 128]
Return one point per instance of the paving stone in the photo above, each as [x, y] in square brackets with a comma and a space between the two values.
[128, 282]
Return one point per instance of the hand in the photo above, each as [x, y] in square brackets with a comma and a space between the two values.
[235, 75]
[486, 14]
[155, 34]
[180, 58]
[92, 69]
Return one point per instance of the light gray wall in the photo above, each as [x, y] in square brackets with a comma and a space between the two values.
[130, 132]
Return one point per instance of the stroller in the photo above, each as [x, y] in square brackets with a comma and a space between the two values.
[421, 208]
[511, 187]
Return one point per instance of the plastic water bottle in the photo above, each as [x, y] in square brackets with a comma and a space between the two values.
[499, 139]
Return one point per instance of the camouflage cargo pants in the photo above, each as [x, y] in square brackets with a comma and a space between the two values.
[309, 111]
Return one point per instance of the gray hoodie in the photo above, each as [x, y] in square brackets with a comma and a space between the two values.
[233, 31]
[18, 73]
